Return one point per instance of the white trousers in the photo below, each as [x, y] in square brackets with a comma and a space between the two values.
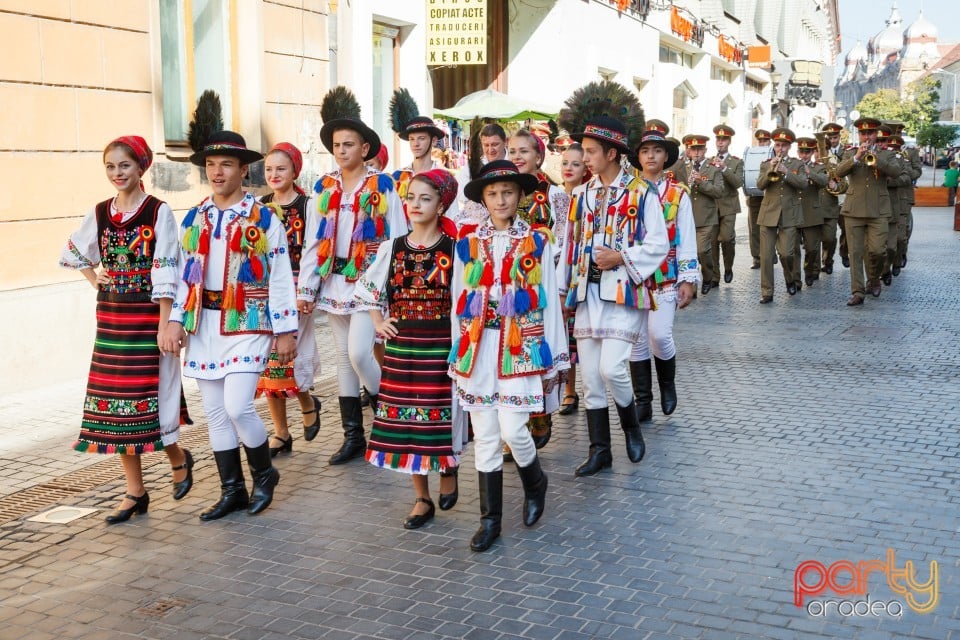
[168, 397]
[604, 365]
[658, 333]
[489, 426]
[228, 403]
[353, 337]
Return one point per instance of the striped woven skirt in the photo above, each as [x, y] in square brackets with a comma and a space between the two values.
[121, 408]
[412, 429]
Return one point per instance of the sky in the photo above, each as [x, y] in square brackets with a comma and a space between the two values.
[862, 19]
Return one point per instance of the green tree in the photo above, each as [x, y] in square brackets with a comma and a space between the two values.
[918, 104]
[938, 136]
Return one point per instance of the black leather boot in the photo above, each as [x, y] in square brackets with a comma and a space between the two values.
[233, 491]
[534, 491]
[354, 444]
[374, 398]
[642, 389]
[631, 432]
[666, 377]
[598, 426]
[265, 477]
[491, 510]
[541, 428]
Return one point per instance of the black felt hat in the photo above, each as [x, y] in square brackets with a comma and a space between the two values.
[656, 137]
[499, 171]
[340, 110]
[225, 143]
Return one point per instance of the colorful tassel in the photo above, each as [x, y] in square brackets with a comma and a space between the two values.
[369, 229]
[240, 298]
[380, 227]
[534, 298]
[189, 218]
[466, 361]
[231, 320]
[253, 320]
[462, 302]
[350, 270]
[463, 250]
[620, 299]
[385, 183]
[486, 276]
[475, 306]
[521, 302]
[546, 356]
[476, 328]
[505, 307]
[514, 338]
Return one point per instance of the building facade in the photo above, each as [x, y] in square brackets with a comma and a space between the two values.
[87, 71]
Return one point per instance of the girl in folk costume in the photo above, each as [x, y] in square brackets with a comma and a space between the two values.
[509, 343]
[234, 295]
[357, 209]
[574, 172]
[617, 240]
[673, 284]
[422, 135]
[527, 151]
[415, 428]
[280, 381]
[132, 404]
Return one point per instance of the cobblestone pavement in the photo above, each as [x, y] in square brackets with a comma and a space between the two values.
[806, 431]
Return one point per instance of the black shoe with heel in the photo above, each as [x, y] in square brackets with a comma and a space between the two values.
[182, 488]
[418, 520]
[567, 408]
[310, 431]
[448, 500]
[140, 506]
[286, 445]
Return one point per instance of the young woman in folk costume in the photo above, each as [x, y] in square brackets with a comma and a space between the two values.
[132, 404]
[415, 428]
[509, 341]
[280, 381]
[422, 135]
[617, 240]
[235, 298]
[574, 172]
[527, 151]
[673, 283]
[357, 209]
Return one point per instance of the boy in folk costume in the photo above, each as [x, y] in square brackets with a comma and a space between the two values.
[617, 241]
[423, 135]
[674, 283]
[235, 294]
[357, 209]
[509, 340]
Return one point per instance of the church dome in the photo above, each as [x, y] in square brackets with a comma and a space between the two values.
[921, 29]
[890, 38]
[857, 54]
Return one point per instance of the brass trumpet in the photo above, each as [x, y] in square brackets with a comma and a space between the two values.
[772, 174]
[831, 163]
[870, 159]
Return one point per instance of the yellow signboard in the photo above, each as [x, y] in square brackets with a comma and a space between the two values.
[456, 32]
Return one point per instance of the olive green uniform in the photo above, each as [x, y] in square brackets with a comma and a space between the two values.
[778, 220]
[703, 196]
[728, 206]
[811, 223]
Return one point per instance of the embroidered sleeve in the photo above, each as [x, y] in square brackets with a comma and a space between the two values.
[164, 274]
[688, 265]
[372, 285]
[554, 327]
[308, 284]
[82, 250]
[642, 259]
[282, 293]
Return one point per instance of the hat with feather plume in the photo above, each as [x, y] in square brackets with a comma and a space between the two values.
[340, 110]
[405, 117]
[605, 111]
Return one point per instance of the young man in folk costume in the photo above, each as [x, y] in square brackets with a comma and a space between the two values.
[235, 294]
[706, 187]
[616, 241]
[357, 209]
[674, 283]
[423, 135]
[730, 168]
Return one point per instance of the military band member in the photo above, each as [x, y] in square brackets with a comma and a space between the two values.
[706, 186]
[866, 209]
[728, 205]
[811, 213]
[781, 179]
[762, 137]
[830, 202]
[894, 186]
[912, 155]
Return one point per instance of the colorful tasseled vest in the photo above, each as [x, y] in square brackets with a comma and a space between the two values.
[519, 312]
[293, 217]
[617, 218]
[370, 229]
[245, 290]
[666, 275]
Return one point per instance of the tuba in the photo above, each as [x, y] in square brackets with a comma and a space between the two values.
[831, 163]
